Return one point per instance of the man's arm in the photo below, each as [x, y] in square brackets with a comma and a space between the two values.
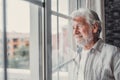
[116, 64]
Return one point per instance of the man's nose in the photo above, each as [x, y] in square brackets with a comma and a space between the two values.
[76, 31]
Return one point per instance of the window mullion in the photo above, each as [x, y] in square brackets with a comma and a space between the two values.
[4, 40]
[47, 41]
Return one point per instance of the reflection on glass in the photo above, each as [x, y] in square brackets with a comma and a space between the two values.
[55, 51]
[54, 41]
[62, 41]
[63, 38]
[60, 49]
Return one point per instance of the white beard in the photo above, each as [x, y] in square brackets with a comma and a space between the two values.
[86, 40]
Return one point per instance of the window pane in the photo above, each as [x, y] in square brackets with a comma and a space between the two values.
[62, 42]
[55, 54]
[61, 49]
[83, 3]
[1, 42]
[63, 36]
[18, 33]
[63, 6]
[54, 5]
[54, 41]
[1, 33]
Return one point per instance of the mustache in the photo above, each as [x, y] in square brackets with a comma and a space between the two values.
[83, 41]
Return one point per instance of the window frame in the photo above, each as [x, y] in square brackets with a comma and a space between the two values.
[41, 44]
[36, 47]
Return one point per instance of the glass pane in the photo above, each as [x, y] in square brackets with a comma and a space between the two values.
[55, 51]
[54, 5]
[63, 6]
[73, 5]
[83, 3]
[61, 49]
[1, 42]
[62, 42]
[54, 41]
[18, 34]
[1, 33]
[63, 37]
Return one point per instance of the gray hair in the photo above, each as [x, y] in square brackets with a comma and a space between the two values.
[90, 16]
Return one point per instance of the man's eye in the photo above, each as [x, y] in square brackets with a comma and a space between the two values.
[79, 26]
[74, 28]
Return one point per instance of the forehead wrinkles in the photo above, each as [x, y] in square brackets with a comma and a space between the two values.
[80, 20]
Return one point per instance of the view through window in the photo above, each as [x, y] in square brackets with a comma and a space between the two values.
[18, 39]
[62, 41]
[18, 29]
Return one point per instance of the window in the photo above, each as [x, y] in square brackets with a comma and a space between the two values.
[34, 28]
[23, 42]
[17, 28]
[63, 46]
[62, 49]
[1, 43]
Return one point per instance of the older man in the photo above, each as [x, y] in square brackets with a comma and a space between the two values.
[96, 60]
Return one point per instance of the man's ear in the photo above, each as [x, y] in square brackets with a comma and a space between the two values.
[95, 27]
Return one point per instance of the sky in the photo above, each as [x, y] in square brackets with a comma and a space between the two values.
[18, 17]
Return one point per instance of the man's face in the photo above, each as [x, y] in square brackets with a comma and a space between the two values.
[82, 31]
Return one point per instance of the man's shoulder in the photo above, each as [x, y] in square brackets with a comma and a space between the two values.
[102, 45]
[111, 48]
